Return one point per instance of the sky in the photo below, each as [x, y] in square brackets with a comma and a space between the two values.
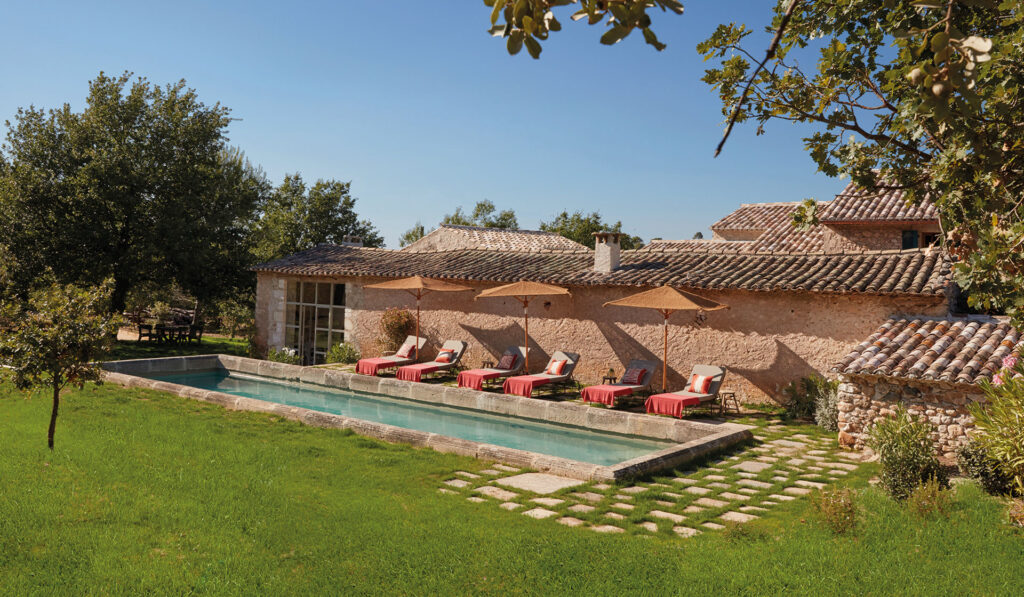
[423, 111]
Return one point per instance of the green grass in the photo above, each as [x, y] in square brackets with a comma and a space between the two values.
[130, 349]
[148, 492]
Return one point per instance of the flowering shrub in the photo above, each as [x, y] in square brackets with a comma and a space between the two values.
[999, 421]
[284, 355]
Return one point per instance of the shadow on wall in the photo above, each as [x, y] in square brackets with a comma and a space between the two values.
[494, 341]
[785, 367]
[625, 347]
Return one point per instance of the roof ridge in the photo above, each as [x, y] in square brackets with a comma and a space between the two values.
[497, 229]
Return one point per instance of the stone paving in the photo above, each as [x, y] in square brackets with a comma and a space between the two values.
[782, 464]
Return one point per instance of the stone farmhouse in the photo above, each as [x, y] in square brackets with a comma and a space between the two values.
[800, 302]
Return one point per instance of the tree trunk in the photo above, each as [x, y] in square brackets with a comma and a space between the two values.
[53, 414]
[119, 296]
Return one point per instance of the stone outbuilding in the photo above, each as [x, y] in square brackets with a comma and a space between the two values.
[931, 366]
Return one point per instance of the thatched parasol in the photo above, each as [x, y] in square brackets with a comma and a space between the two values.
[523, 292]
[419, 286]
[667, 300]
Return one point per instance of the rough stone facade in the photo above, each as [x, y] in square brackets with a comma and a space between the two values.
[863, 400]
[854, 238]
[765, 339]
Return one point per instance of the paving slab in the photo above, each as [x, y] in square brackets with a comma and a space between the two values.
[622, 497]
[796, 490]
[685, 481]
[667, 515]
[780, 478]
[589, 496]
[448, 491]
[752, 466]
[753, 483]
[846, 466]
[785, 443]
[539, 513]
[467, 475]
[710, 503]
[614, 516]
[685, 531]
[737, 517]
[569, 521]
[713, 525]
[693, 509]
[719, 485]
[836, 472]
[796, 461]
[753, 509]
[511, 506]
[581, 508]
[549, 502]
[506, 468]
[457, 483]
[664, 504]
[621, 506]
[601, 486]
[607, 528]
[542, 483]
[648, 525]
[714, 478]
[810, 484]
[767, 459]
[697, 490]
[497, 493]
[733, 496]
[475, 499]
[781, 498]
[633, 489]
[490, 472]
[748, 491]
[746, 475]
[661, 485]
[671, 495]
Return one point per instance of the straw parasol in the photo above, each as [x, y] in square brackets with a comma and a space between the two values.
[419, 286]
[523, 292]
[667, 300]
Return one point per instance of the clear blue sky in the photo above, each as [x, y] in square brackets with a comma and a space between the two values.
[423, 111]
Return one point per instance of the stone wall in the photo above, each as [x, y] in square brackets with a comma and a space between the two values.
[765, 339]
[863, 400]
[875, 237]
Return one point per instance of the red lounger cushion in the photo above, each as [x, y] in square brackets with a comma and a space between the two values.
[404, 351]
[699, 384]
[445, 356]
[669, 404]
[415, 372]
[507, 361]
[632, 377]
[605, 394]
[373, 366]
[474, 378]
[524, 385]
[555, 367]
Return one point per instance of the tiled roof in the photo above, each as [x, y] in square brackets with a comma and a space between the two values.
[497, 239]
[952, 350]
[856, 204]
[755, 216]
[783, 236]
[696, 246]
[923, 272]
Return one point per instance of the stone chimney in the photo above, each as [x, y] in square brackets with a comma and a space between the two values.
[606, 251]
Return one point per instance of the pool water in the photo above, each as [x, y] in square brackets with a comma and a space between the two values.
[545, 438]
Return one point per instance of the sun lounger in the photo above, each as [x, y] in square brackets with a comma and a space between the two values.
[607, 393]
[476, 378]
[404, 356]
[450, 354]
[675, 403]
[523, 385]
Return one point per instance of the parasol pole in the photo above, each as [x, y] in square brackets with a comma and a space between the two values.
[416, 344]
[526, 330]
[664, 359]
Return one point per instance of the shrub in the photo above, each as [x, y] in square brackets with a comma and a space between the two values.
[999, 424]
[837, 509]
[929, 499]
[395, 326]
[161, 312]
[235, 316]
[1015, 512]
[805, 396]
[905, 451]
[975, 462]
[284, 355]
[343, 352]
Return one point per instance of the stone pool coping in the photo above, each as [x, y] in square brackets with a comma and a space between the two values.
[692, 439]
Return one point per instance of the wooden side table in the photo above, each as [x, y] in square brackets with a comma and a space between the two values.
[608, 379]
[487, 364]
[724, 398]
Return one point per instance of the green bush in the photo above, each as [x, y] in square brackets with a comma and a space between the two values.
[999, 422]
[808, 396]
[837, 508]
[826, 406]
[929, 499]
[161, 312]
[395, 326]
[343, 352]
[905, 451]
[284, 355]
[975, 462]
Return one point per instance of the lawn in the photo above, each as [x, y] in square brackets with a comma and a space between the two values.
[148, 492]
[131, 349]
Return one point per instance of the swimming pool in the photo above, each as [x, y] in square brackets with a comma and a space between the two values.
[563, 441]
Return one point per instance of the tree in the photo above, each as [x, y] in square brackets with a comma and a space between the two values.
[137, 187]
[528, 22]
[917, 96]
[484, 216]
[54, 339]
[581, 227]
[296, 218]
[698, 235]
[412, 235]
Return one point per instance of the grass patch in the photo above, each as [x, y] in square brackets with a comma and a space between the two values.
[152, 493]
[131, 349]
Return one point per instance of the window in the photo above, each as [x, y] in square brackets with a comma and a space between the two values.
[314, 319]
[931, 239]
[910, 239]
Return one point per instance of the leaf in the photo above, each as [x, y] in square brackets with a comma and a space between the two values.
[496, 11]
[615, 35]
[652, 39]
[533, 47]
[515, 42]
[980, 45]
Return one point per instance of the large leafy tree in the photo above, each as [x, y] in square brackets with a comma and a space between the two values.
[412, 235]
[581, 227]
[921, 96]
[53, 339]
[138, 187]
[485, 215]
[297, 217]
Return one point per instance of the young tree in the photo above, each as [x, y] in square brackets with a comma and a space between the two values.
[412, 235]
[581, 227]
[135, 187]
[297, 217]
[698, 235]
[484, 216]
[53, 339]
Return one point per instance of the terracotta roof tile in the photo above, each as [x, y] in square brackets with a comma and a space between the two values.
[496, 239]
[952, 350]
[856, 204]
[755, 216]
[921, 272]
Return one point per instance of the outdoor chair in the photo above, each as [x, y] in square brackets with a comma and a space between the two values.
[146, 332]
[404, 356]
[607, 393]
[447, 359]
[195, 332]
[514, 358]
[675, 403]
[557, 373]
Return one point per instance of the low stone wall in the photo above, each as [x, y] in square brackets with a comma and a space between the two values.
[863, 400]
[691, 439]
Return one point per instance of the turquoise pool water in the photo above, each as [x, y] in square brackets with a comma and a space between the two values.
[556, 440]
